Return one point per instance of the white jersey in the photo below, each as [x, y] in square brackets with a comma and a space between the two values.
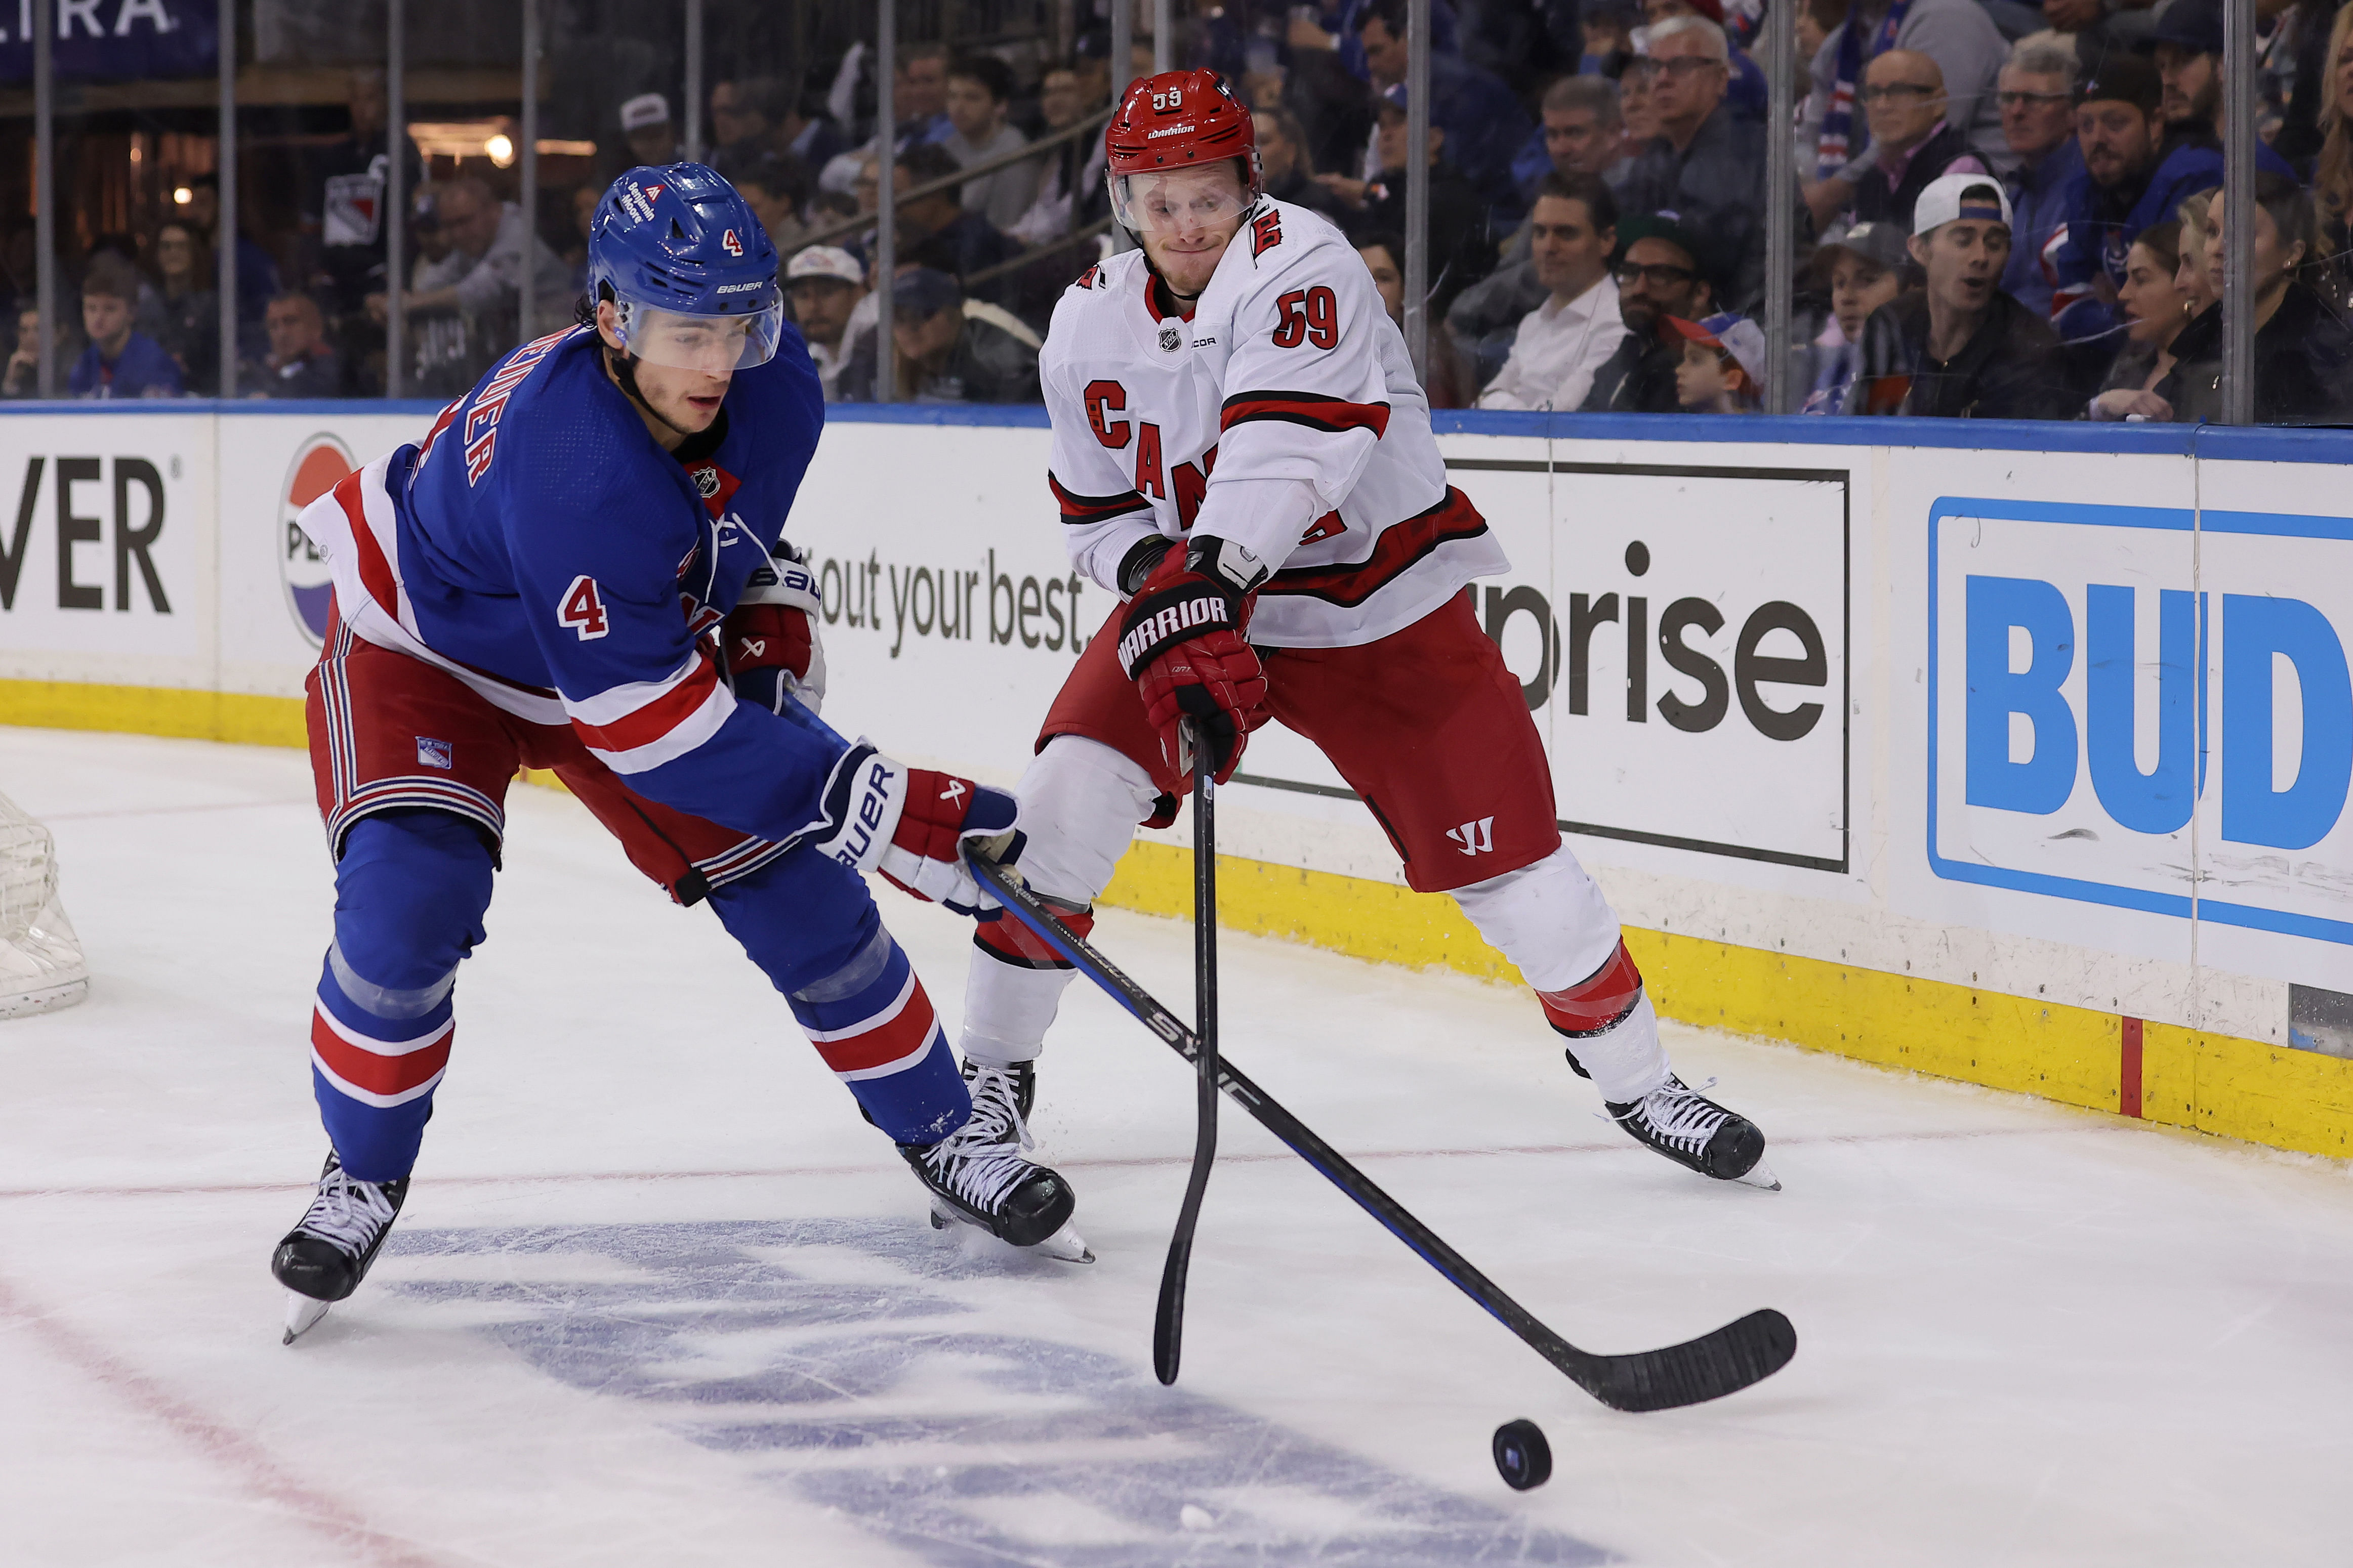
[1283, 417]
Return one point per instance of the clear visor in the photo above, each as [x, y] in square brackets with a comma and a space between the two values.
[1178, 201]
[715, 345]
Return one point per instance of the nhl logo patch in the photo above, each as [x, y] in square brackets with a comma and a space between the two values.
[1171, 340]
[706, 480]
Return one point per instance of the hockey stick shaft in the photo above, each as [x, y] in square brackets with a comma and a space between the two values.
[1168, 1322]
[1723, 1362]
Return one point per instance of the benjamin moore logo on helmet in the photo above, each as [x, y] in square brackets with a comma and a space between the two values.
[639, 202]
[318, 463]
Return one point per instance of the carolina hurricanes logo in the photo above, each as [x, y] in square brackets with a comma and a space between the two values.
[729, 244]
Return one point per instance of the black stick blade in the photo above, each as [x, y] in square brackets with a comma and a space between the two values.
[1168, 1322]
[1745, 1350]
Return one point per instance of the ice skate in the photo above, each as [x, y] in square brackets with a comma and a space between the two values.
[979, 1175]
[324, 1260]
[1693, 1130]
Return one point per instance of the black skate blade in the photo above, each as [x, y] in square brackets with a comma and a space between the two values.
[302, 1315]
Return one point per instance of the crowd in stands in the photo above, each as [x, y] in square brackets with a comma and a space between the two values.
[2004, 210]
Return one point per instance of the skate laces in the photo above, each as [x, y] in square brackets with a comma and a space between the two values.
[1679, 1114]
[982, 1161]
[348, 1213]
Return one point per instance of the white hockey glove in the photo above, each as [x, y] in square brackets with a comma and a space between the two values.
[911, 825]
[771, 637]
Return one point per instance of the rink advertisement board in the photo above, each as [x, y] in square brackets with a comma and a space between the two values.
[2015, 716]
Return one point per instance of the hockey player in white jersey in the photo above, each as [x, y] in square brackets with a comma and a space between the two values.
[1241, 450]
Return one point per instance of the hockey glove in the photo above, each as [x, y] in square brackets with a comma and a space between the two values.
[911, 825]
[770, 639]
[1181, 642]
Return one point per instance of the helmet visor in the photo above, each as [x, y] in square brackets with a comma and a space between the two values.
[1180, 200]
[715, 345]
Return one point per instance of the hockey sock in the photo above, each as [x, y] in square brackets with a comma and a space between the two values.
[1551, 921]
[1080, 801]
[875, 1028]
[410, 891]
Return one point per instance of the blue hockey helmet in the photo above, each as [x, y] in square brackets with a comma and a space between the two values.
[690, 269]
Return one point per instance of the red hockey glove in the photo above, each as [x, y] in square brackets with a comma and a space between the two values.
[911, 824]
[770, 639]
[1181, 642]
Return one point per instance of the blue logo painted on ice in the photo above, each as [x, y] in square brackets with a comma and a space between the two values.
[2109, 686]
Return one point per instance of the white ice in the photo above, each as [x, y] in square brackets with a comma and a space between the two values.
[661, 1297]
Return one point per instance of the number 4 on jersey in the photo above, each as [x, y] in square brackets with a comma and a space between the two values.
[583, 611]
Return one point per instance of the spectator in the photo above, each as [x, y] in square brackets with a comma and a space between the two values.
[979, 87]
[1957, 34]
[585, 197]
[257, 274]
[939, 232]
[2191, 277]
[2037, 98]
[1704, 164]
[2332, 178]
[1283, 155]
[1484, 122]
[1584, 133]
[185, 315]
[1659, 273]
[119, 362]
[951, 349]
[1960, 348]
[2156, 311]
[920, 97]
[2303, 352]
[300, 362]
[744, 112]
[1746, 89]
[1903, 100]
[1722, 367]
[23, 376]
[343, 205]
[1073, 168]
[1460, 253]
[773, 186]
[1865, 268]
[485, 275]
[2187, 44]
[807, 133]
[1609, 28]
[825, 284]
[646, 127]
[1383, 254]
[1638, 107]
[1573, 229]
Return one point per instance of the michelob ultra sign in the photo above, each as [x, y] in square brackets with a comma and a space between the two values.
[2143, 706]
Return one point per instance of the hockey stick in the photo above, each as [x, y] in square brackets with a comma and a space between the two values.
[1168, 1323]
[1725, 1360]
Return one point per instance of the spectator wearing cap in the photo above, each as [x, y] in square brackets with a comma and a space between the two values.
[825, 284]
[940, 232]
[301, 362]
[1960, 348]
[1867, 267]
[1723, 364]
[952, 348]
[2037, 98]
[120, 361]
[1746, 89]
[1706, 164]
[646, 127]
[1459, 251]
[1659, 274]
[2188, 47]
[979, 89]
[1958, 35]
[1563, 341]
[1484, 122]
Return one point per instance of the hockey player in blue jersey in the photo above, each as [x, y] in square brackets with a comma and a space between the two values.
[581, 568]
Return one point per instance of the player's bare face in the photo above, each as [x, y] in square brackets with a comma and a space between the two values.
[675, 399]
[1185, 219]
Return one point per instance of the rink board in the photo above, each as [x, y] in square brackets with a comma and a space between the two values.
[2021, 766]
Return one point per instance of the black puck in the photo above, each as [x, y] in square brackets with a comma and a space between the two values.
[1522, 1457]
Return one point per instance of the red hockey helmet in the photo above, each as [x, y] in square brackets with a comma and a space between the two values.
[1174, 121]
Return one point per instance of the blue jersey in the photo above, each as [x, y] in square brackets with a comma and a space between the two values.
[542, 546]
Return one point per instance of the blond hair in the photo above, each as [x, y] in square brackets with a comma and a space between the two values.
[2332, 174]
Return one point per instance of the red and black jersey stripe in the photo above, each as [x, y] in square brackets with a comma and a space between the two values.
[1333, 415]
[1079, 510]
[1350, 584]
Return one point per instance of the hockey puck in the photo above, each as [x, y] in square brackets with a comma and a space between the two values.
[1522, 1457]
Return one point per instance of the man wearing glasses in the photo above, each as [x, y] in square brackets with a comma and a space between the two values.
[1659, 275]
[2038, 120]
[1705, 164]
[1904, 98]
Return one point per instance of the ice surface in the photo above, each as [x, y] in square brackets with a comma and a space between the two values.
[660, 1297]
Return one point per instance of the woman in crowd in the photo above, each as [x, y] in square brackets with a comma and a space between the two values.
[2303, 352]
[2158, 310]
[184, 315]
[2332, 177]
[2190, 277]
